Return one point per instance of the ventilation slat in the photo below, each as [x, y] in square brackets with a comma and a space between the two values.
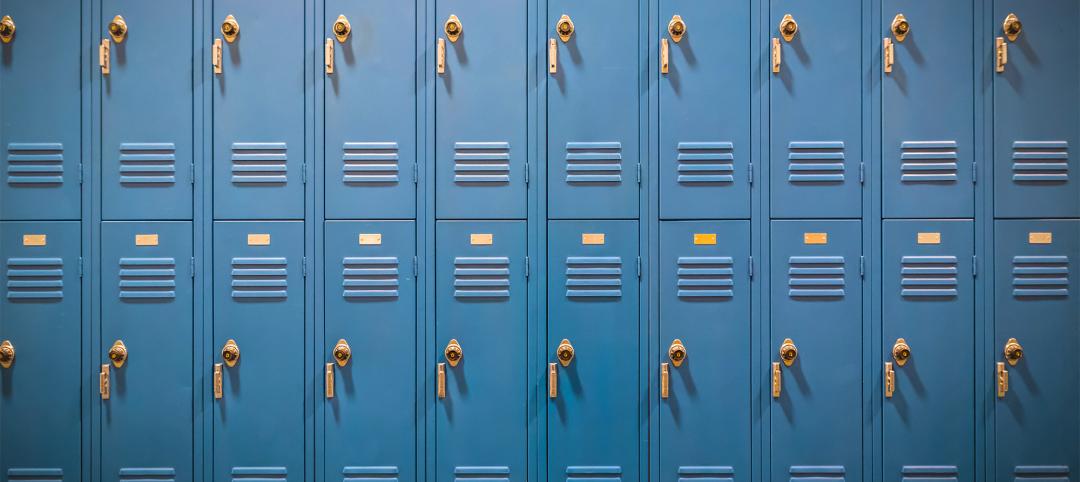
[705, 162]
[370, 277]
[260, 278]
[482, 277]
[1040, 161]
[704, 277]
[593, 277]
[35, 279]
[816, 162]
[482, 162]
[147, 163]
[258, 163]
[1040, 276]
[30, 164]
[370, 162]
[816, 276]
[147, 278]
[928, 276]
[594, 162]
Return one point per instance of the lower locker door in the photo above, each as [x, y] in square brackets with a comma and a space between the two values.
[928, 325]
[594, 391]
[705, 343]
[147, 341]
[816, 410]
[369, 356]
[481, 380]
[259, 306]
[40, 300]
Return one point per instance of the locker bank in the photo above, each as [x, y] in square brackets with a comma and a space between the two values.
[539, 240]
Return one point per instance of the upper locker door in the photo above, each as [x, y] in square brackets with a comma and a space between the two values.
[1036, 128]
[146, 350]
[369, 359]
[815, 108]
[593, 92]
[40, 328]
[40, 122]
[816, 351]
[704, 109]
[1035, 337]
[705, 345]
[481, 109]
[593, 352]
[369, 51]
[258, 63]
[927, 132]
[147, 154]
[481, 364]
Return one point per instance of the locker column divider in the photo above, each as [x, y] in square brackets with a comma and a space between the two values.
[762, 460]
[650, 221]
[424, 237]
[984, 236]
[538, 248]
[200, 232]
[314, 210]
[426, 217]
[873, 153]
[90, 153]
[204, 218]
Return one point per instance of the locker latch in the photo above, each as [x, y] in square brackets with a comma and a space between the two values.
[118, 354]
[7, 29]
[565, 354]
[890, 380]
[328, 56]
[7, 354]
[104, 387]
[342, 354]
[104, 56]
[677, 354]
[788, 353]
[1012, 27]
[118, 29]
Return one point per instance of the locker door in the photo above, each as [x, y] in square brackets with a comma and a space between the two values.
[928, 322]
[259, 304]
[592, 110]
[705, 305]
[146, 315]
[480, 417]
[816, 421]
[371, 109]
[1036, 420]
[593, 304]
[816, 109]
[1035, 135]
[481, 118]
[927, 144]
[371, 305]
[39, 124]
[259, 110]
[40, 300]
[146, 110]
[705, 110]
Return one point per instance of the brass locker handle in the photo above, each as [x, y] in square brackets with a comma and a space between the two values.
[342, 28]
[565, 28]
[788, 27]
[342, 352]
[230, 29]
[565, 352]
[453, 28]
[901, 352]
[329, 379]
[665, 381]
[553, 56]
[440, 380]
[104, 385]
[788, 352]
[1012, 27]
[7, 29]
[328, 56]
[118, 354]
[888, 58]
[105, 56]
[676, 28]
[890, 380]
[677, 352]
[230, 353]
[665, 56]
[453, 353]
[1001, 54]
[553, 380]
[118, 29]
[900, 27]
[216, 56]
[1002, 380]
[1013, 352]
[218, 382]
[775, 55]
[440, 56]
[776, 380]
[7, 354]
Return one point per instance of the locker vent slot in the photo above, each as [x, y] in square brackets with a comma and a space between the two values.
[147, 278]
[1040, 161]
[151, 474]
[35, 163]
[929, 473]
[483, 473]
[1042, 276]
[259, 474]
[35, 474]
[816, 276]
[35, 278]
[370, 474]
[370, 162]
[1041, 473]
[485, 277]
[706, 474]
[928, 161]
[370, 277]
[147, 163]
[260, 278]
[706, 162]
[259, 163]
[594, 276]
[706, 277]
[816, 162]
[594, 162]
[482, 162]
[817, 473]
[590, 473]
[928, 276]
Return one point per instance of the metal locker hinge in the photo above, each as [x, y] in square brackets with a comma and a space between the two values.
[526, 174]
[639, 173]
[862, 266]
[527, 267]
[80, 173]
[415, 173]
[80, 266]
[974, 266]
[304, 262]
[862, 172]
[639, 267]
[192, 266]
[750, 267]
[415, 267]
[750, 173]
[303, 173]
[191, 168]
[974, 172]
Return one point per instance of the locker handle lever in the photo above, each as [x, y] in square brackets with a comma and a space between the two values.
[328, 55]
[553, 56]
[1001, 56]
[104, 387]
[553, 380]
[104, 56]
[440, 56]
[218, 382]
[440, 380]
[888, 57]
[890, 380]
[1002, 380]
[665, 56]
[775, 55]
[776, 380]
[216, 56]
[329, 374]
[665, 381]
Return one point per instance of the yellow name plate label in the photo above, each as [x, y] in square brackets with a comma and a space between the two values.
[1040, 238]
[815, 238]
[370, 239]
[146, 240]
[481, 239]
[33, 240]
[258, 240]
[704, 238]
[592, 238]
[929, 238]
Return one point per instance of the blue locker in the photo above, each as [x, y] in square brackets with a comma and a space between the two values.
[705, 109]
[1035, 334]
[594, 388]
[40, 347]
[147, 156]
[258, 351]
[927, 355]
[40, 122]
[481, 380]
[927, 131]
[815, 108]
[481, 109]
[369, 356]
[594, 163]
[705, 305]
[816, 411]
[1036, 132]
[146, 351]
[258, 109]
[371, 87]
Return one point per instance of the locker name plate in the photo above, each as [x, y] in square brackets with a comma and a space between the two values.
[481, 239]
[33, 240]
[1040, 238]
[704, 238]
[367, 239]
[815, 238]
[146, 240]
[592, 238]
[258, 240]
[929, 238]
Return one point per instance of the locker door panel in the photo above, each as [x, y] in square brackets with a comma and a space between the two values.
[816, 109]
[39, 124]
[705, 112]
[929, 302]
[147, 300]
[817, 303]
[40, 300]
[371, 304]
[259, 303]
[593, 303]
[481, 423]
[705, 304]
